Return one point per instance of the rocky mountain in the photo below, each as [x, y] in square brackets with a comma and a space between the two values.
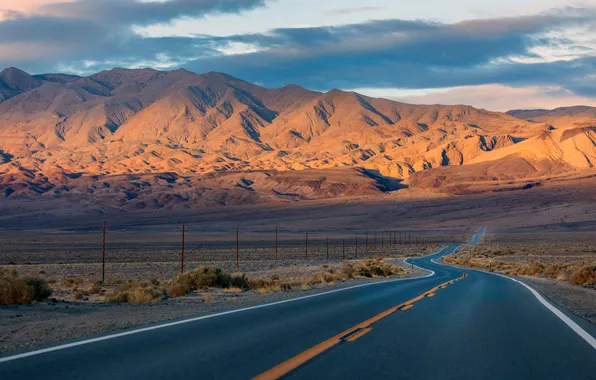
[144, 135]
[578, 116]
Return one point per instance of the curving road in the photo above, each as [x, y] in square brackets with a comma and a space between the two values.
[453, 324]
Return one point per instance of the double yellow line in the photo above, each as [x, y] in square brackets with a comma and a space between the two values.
[348, 335]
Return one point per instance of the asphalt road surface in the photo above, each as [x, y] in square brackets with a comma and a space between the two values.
[453, 324]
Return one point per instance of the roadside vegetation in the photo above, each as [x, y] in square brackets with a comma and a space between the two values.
[19, 290]
[577, 270]
[202, 279]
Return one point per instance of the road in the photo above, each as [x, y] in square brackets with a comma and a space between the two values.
[453, 324]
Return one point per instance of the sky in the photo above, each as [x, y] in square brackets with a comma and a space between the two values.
[497, 55]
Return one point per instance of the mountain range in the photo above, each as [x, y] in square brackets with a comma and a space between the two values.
[135, 139]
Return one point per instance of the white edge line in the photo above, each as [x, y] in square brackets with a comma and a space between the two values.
[568, 321]
[189, 320]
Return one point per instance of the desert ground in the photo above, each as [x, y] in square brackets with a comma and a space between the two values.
[548, 224]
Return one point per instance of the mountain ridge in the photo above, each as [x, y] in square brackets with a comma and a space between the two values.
[58, 128]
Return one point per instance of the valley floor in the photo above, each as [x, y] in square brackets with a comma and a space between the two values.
[57, 241]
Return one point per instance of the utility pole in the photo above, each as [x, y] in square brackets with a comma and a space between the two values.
[327, 257]
[276, 243]
[103, 253]
[237, 249]
[366, 243]
[182, 255]
[356, 246]
[343, 249]
[306, 247]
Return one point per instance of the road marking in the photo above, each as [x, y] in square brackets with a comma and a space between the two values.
[568, 321]
[358, 334]
[194, 319]
[305, 356]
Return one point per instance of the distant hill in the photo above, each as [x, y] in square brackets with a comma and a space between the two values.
[68, 136]
[564, 116]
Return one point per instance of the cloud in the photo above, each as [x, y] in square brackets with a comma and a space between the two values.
[551, 49]
[126, 12]
[11, 8]
[495, 97]
[411, 54]
[344, 11]
[45, 36]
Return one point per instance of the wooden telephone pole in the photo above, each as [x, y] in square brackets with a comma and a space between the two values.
[276, 243]
[103, 253]
[237, 250]
[306, 246]
[182, 253]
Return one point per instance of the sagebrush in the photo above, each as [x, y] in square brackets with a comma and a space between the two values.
[18, 290]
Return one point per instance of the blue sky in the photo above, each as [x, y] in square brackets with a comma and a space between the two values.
[491, 54]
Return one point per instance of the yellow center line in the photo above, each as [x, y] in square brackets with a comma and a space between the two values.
[358, 335]
[348, 335]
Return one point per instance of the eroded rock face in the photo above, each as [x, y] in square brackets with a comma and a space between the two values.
[64, 135]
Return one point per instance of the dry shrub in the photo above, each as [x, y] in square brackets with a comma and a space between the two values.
[134, 292]
[176, 290]
[38, 288]
[17, 290]
[535, 268]
[370, 268]
[95, 288]
[201, 277]
[204, 277]
[274, 283]
[239, 282]
[553, 270]
[13, 289]
[577, 273]
[326, 277]
[233, 290]
[586, 275]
